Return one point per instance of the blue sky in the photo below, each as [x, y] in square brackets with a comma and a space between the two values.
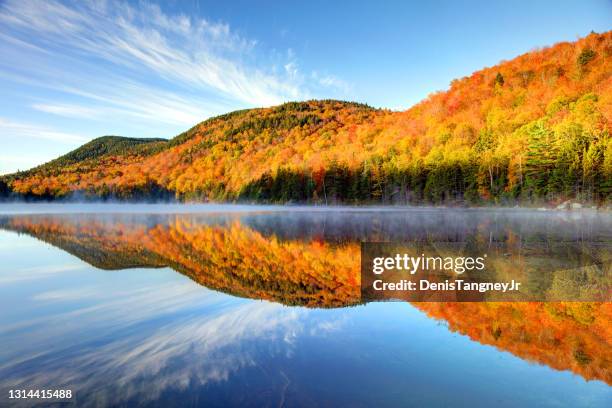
[70, 72]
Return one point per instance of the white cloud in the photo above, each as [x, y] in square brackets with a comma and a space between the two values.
[331, 81]
[11, 163]
[74, 111]
[36, 273]
[16, 130]
[291, 69]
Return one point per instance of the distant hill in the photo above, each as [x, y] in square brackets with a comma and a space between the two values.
[533, 129]
[104, 145]
[115, 145]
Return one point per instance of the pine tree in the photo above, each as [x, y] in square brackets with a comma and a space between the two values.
[541, 157]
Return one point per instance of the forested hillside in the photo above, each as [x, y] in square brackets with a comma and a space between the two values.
[533, 129]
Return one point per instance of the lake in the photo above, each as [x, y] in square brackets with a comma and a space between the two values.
[197, 305]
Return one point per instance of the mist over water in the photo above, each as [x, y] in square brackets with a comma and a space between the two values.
[249, 305]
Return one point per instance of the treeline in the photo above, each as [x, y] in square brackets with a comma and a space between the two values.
[150, 191]
[372, 183]
[379, 182]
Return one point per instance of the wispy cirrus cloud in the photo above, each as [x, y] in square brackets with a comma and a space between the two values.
[331, 81]
[143, 42]
[16, 130]
[66, 110]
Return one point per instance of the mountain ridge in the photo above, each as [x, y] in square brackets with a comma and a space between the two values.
[531, 129]
[97, 147]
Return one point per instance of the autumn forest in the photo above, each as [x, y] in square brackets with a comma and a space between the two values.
[533, 129]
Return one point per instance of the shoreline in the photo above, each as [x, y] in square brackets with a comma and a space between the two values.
[13, 207]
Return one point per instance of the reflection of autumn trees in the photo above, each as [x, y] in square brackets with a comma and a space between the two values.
[565, 336]
[234, 258]
[230, 258]
[536, 127]
[243, 262]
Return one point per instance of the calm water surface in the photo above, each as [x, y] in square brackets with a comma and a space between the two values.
[259, 306]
